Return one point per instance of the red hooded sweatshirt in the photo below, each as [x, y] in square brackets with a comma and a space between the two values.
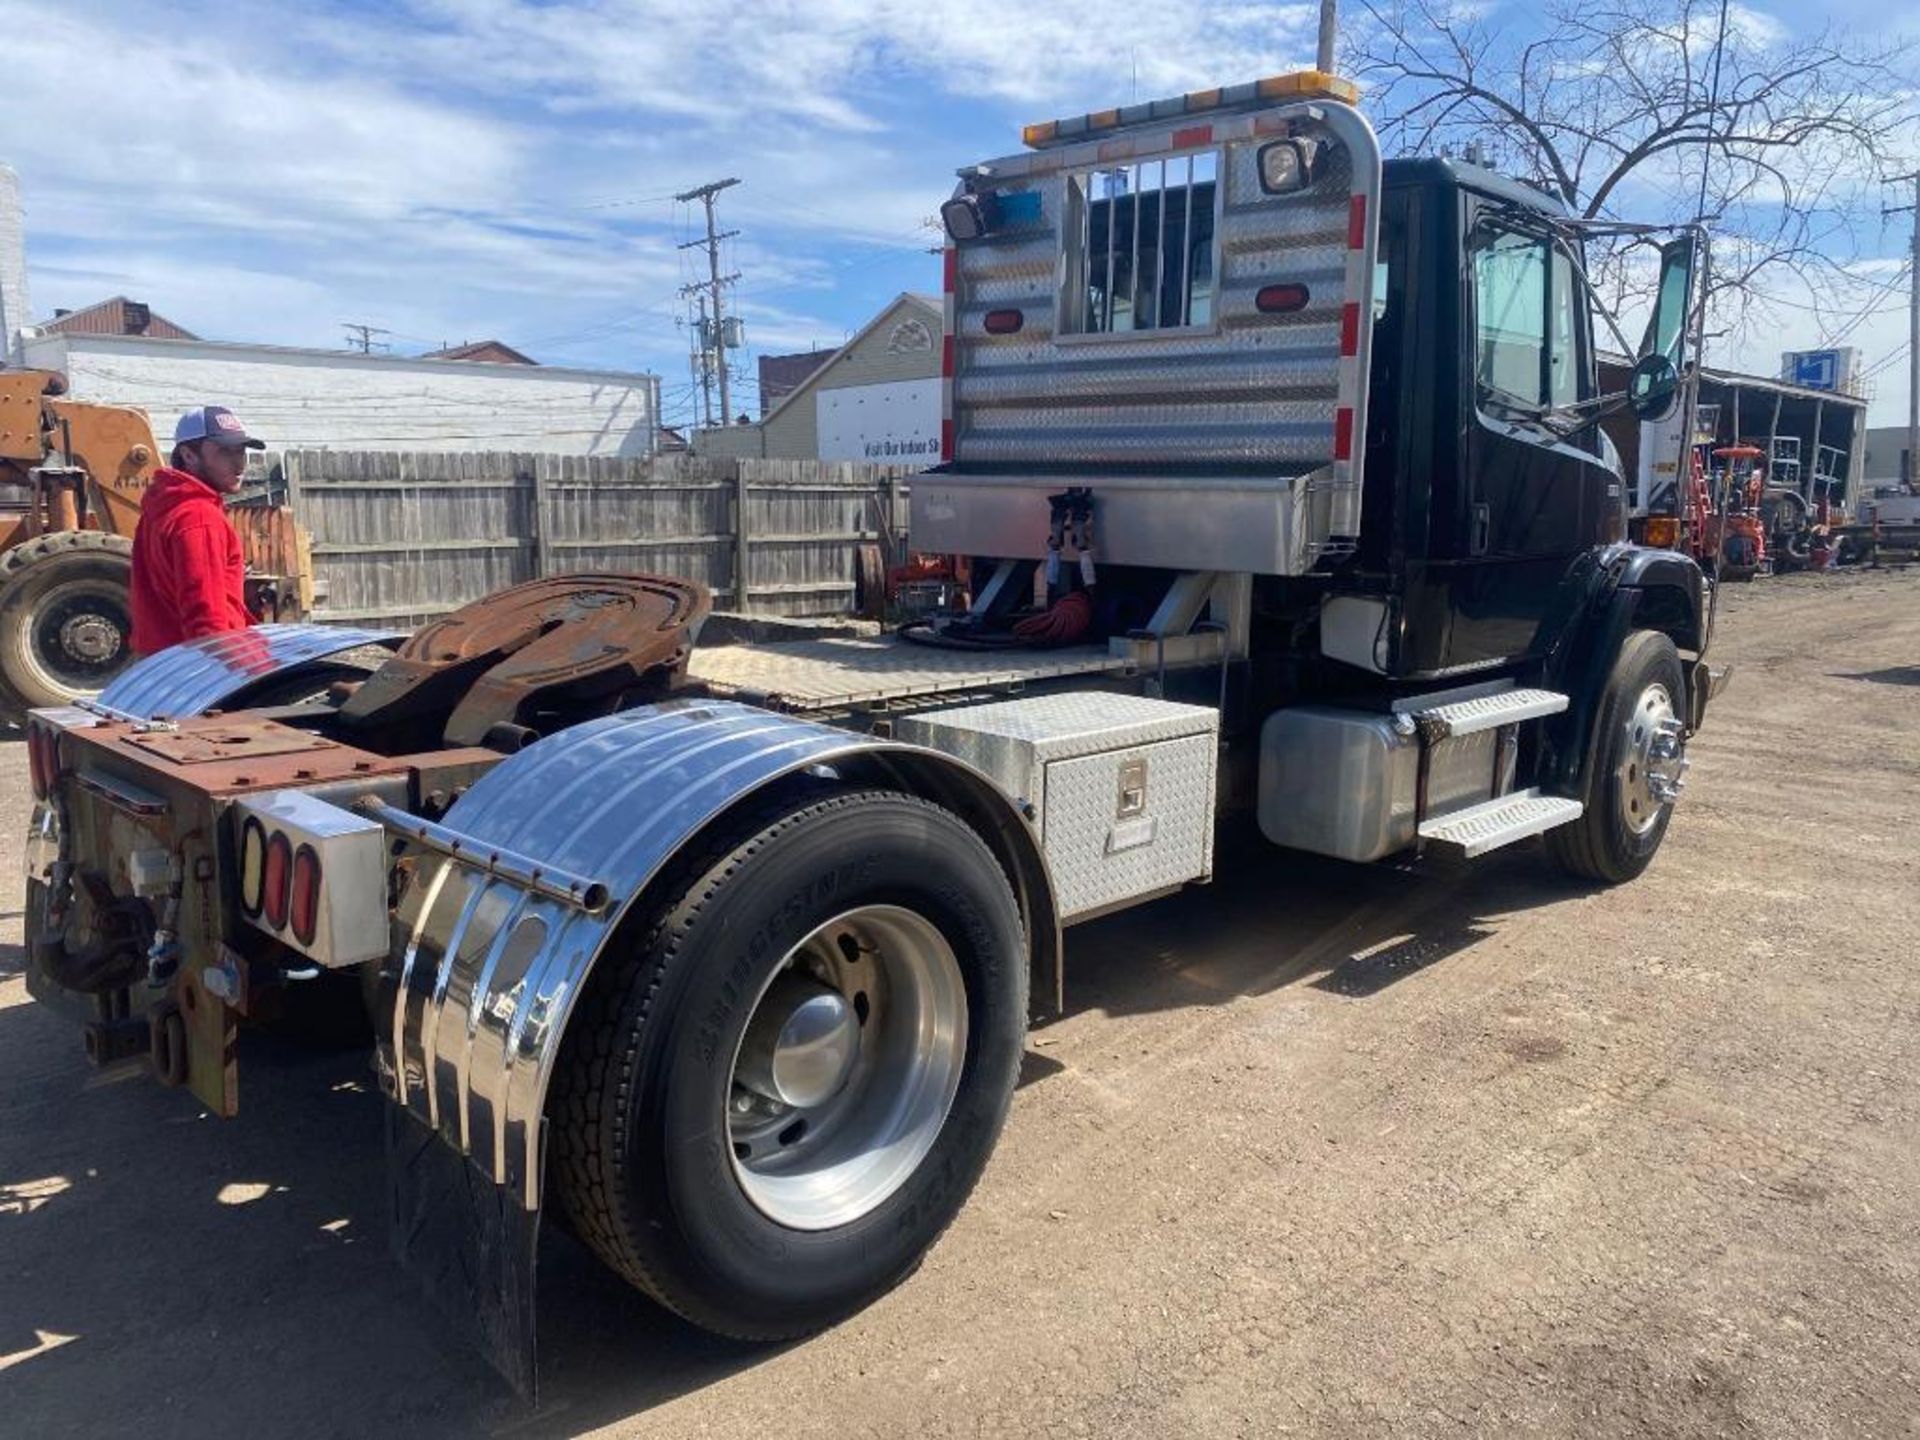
[188, 573]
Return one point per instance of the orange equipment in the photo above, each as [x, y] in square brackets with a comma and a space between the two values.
[72, 478]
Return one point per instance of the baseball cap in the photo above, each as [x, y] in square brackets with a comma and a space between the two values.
[215, 423]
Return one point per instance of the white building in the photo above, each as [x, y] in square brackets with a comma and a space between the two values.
[330, 399]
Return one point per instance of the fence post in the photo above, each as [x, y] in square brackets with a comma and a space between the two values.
[742, 545]
[542, 540]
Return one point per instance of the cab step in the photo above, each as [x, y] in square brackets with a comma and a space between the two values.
[1487, 712]
[1500, 821]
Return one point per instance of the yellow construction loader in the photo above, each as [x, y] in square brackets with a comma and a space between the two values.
[73, 475]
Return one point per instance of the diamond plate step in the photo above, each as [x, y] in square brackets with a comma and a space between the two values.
[1467, 717]
[1500, 821]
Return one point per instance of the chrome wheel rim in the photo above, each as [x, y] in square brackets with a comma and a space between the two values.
[847, 1067]
[1653, 762]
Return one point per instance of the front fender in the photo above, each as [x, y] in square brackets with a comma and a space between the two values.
[1608, 594]
[476, 1004]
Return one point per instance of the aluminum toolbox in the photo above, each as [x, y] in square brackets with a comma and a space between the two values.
[1120, 788]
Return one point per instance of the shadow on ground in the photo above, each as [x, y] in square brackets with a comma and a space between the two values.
[260, 1291]
[1892, 675]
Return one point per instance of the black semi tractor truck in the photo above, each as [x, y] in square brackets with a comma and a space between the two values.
[1277, 477]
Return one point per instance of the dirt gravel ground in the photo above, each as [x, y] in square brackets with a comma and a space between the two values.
[1318, 1150]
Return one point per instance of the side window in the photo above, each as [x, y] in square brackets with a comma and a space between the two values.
[1526, 323]
[1140, 244]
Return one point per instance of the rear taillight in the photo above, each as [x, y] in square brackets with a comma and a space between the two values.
[1005, 322]
[306, 894]
[276, 881]
[1280, 299]
[253, 867]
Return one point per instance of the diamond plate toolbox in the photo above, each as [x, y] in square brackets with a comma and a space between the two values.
[1121, 788]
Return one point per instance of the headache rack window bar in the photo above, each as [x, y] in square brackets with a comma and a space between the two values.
[1146, 255]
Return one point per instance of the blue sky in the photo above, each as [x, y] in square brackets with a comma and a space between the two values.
[456, 169]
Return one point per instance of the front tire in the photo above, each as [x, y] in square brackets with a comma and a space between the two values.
[772, 1105]
[1635, 762]
[66, 622]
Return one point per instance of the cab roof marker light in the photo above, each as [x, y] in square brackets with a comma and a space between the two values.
[1306, 84]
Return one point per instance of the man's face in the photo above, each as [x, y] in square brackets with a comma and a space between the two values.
[221, 466]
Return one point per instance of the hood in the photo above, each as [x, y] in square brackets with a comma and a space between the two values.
[170, 489]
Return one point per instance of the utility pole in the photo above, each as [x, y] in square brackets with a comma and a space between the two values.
[360, 337]
[1912, 476]
[713, 283]
[1325, 61]
[702, 365]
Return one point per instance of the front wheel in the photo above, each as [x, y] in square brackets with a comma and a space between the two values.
[773, 1104]
[65, 617]
[1636, 765]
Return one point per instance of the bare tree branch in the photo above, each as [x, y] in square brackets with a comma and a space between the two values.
[1612, 108]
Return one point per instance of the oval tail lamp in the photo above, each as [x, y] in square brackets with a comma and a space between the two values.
[306, 894]
[1005, 322]
[1280, 299]
[277, 881]
[253, 867]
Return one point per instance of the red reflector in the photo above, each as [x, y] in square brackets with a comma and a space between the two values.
[306, 894]
[1350, 328]
[946, 357]
[1357, 222]
[1280, 299]
[1193, 135]
[277, 880]
[946, 440]
[1343, 433]
[1005, 322]
[952, 270]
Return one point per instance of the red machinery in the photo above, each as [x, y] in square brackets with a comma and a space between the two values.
[1730, 543]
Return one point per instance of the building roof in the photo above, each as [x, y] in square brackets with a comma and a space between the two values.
[496, 351]
[116, 316]
[780, 375]
[232, 349]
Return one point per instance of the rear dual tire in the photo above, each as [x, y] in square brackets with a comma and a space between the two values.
[885, 924]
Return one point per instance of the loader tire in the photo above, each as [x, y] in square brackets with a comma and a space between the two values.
[775, 1098]
[66, 622]
[1623, 824]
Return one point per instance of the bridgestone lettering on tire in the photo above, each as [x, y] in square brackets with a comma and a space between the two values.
[1617, 836]
[65, 623]
[668, 1119]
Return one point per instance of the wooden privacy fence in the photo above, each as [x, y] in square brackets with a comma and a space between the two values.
[401, 537]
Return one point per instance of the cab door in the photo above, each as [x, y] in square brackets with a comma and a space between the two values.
[1530, 500]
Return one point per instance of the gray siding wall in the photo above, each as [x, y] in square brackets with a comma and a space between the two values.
[401, 537]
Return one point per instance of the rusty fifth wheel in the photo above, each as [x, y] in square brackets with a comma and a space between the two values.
[784, 1090]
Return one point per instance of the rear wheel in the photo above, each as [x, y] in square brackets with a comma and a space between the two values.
[773, 1104]
[1635, 765]
[65, 618]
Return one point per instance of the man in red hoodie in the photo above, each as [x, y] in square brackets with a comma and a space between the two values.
[188, 573]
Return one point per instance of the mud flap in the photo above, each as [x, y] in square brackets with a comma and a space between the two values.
[467, 1241]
